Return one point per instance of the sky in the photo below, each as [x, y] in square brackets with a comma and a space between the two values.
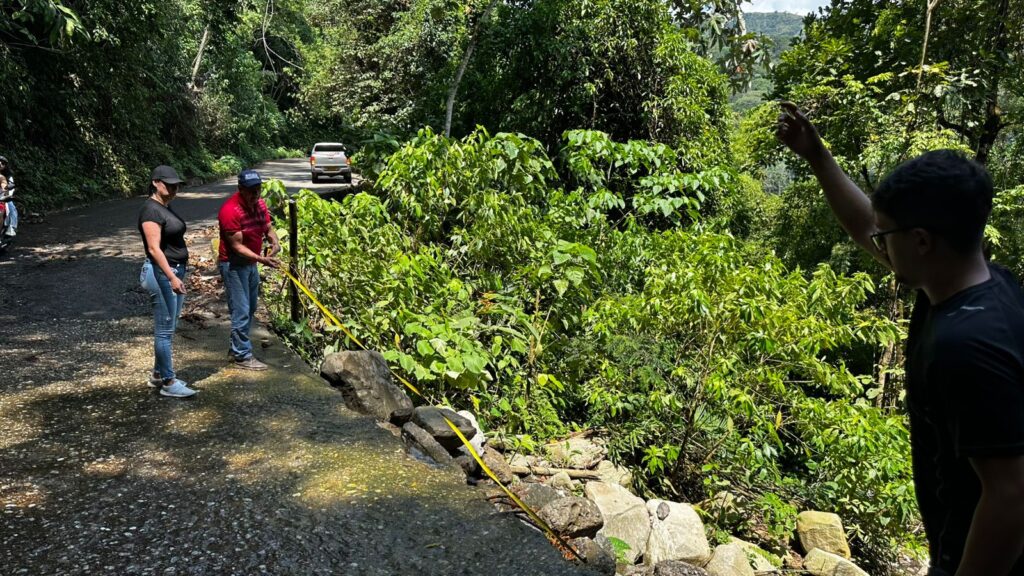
[795, 6]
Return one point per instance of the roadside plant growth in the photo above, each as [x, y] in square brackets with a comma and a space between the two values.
[601, 289]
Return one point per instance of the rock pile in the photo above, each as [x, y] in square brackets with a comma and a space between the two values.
[582, 496]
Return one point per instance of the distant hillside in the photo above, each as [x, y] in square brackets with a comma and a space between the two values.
[781, 27]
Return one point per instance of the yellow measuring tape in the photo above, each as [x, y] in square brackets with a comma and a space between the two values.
[529, 511]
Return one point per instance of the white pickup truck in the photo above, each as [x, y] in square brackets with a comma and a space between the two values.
[328, 159]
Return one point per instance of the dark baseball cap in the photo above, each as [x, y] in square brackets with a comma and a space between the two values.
[166, 174]
[249, 179]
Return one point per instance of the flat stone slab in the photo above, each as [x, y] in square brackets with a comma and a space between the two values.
[822, 530]
[576, 452]
[433, 421]
[729, 560]
[821, 563]
[625, 516]
[677, 533]
[572, 517]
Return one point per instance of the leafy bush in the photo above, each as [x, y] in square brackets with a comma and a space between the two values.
[1006, 231]
[226, 166]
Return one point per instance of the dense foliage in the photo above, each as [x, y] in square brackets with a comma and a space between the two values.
[96, 96]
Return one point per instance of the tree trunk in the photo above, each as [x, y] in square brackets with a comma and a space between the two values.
[454, 89]
[199, 56]
[892, 356]
[547, 471]
[929, 8]
[455, 86]
[993, 124]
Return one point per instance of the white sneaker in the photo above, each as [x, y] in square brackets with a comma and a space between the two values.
[155, 382]
[177, 389]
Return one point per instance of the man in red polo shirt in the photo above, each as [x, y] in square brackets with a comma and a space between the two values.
[244, 223]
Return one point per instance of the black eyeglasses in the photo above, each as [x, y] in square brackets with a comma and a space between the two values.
[878, 238]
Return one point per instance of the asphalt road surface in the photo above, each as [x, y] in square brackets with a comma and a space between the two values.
[260, 473]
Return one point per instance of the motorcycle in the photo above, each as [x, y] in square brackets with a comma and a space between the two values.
[8, 218]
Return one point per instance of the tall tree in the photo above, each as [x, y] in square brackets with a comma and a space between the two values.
[959, 60]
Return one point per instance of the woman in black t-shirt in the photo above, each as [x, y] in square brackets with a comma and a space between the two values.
[163, 275]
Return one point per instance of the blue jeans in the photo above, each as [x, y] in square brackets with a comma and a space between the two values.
[10, 223]
[242, 285]
[166, 310]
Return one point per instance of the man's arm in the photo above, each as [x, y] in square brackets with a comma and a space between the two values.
[235, 243]
[996, 540]
[848, 202]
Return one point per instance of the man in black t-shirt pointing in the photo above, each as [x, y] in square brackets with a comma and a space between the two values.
[965, 351]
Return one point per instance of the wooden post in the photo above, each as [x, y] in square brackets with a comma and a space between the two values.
[293, 256]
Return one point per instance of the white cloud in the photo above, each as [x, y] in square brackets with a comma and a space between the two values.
[794, 6]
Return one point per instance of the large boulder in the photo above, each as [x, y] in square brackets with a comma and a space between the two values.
[576, 452]
[562, 481]
[365, 382]
[400, 416]
[677, 533]
[528, 461]
[761, 560]
[496, 462]
[821, 563]
[433, 421]
[468, 465]
[423, 444]
[822, 530]
[729, 560]
[625, 516]
[536, 495]
[678, 568]
[572, 516]
[636, 570]
[598, 559]
[614, 474]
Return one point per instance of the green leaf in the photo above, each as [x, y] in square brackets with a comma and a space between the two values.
[424, 348]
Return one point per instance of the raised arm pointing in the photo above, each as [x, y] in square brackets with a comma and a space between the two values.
[848, 202]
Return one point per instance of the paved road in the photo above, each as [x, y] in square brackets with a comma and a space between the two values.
[101, 241]
[263, 473]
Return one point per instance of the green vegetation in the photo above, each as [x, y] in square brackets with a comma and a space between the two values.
[604, 290]
[602, 241]
[96, 96]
